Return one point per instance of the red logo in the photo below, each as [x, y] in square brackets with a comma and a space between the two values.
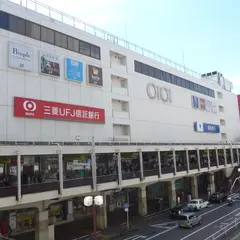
[32, 108]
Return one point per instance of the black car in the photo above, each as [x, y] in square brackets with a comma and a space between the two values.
[179, 209]
[218, 197]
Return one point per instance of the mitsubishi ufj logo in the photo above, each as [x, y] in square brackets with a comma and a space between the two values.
[159, 93]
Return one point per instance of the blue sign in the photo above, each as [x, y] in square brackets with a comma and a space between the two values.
[206, 127]
[74, 70]
[195, 103]
[211, 128]
[126, 205]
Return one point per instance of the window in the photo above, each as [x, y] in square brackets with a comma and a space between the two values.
[33, 30]
[191, 85]
[151, 71]
[47, 35]
[138, 66]
[145, 69]
[179, 82]
[187, 84]
[183, 82]
[168, 77]
[60, 40]
[73, 44]
[17, 25]
[157, 73]
[85, 48]
[4, 20]
[95, 51]
[174, 80]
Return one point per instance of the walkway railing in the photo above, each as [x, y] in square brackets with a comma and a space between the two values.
[88, 142]
[225, 229]
[98, 32]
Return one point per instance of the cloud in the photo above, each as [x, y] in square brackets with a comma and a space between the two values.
[95, 12]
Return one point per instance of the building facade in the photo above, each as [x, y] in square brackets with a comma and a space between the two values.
[56, 86]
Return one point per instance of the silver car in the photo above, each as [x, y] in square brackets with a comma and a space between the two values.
[189, 220]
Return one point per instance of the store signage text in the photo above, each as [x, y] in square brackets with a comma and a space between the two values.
[159, 93]
[39, 109]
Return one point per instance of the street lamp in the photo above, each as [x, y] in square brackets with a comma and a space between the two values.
[93, 201]
[234, 182]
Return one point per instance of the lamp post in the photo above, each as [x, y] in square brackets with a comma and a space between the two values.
[93, 201]
[234, 182]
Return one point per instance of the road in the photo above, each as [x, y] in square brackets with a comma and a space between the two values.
[216, 216]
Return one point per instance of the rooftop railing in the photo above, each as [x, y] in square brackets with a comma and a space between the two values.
[55, 14]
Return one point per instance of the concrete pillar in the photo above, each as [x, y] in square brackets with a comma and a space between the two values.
[174, 161]
[159, 164]
[141, 164]
[42, 230]
[187, 159]
[194, 187]
[212, 184]
[231, 154]
[208, 156]
[237, 149]
[217, 158]
[142, 201]
[101, 214]
[172, 194]
[198, 159]
[225, 155]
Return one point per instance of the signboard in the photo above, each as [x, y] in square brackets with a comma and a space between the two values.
[73, 70]
[204, 104]
[49, 63]
[195, 102]
[95, 76]
[20, 56]
[206, 127]
[39, 109]
[159, 93]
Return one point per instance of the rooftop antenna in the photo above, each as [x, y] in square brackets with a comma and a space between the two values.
[183, 58]
[126, 38]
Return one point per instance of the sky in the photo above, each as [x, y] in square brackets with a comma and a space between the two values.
[207, 31]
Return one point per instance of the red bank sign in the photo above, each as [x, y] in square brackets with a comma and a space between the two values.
[32, 108]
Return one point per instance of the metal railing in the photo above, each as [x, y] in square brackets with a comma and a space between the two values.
[55, 14]
[225, 229]
[87, 142]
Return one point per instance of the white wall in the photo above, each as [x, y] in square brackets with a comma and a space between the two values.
[150, 120]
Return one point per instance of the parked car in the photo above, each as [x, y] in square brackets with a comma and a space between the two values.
[198, 204]
[189, 220]
[218, 197]
[179, 209]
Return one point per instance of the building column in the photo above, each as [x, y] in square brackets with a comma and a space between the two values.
[225, 156]
[174, 161]
[231, 154]
[159, 163]
[217, 158]
[212, 186]
[187, 159]
[194, 187]
[142, 201]
[237, 149]
[198, 159]
[43, 231]
[172, 194]
[208, 156]
[141, 164]
[119, 163]
[101, 214]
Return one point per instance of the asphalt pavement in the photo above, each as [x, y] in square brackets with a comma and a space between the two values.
[214, 218]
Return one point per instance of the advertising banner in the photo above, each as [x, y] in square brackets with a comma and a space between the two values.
[39, 109]
[206, 127]
[95, 76]
[49, 63]
[202, 104]
[195, 102]
[73, 70]
[20, 56]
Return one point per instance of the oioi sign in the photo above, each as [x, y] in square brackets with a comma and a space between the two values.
[159, 93]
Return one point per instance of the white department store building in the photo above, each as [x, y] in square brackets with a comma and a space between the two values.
[59, 90]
